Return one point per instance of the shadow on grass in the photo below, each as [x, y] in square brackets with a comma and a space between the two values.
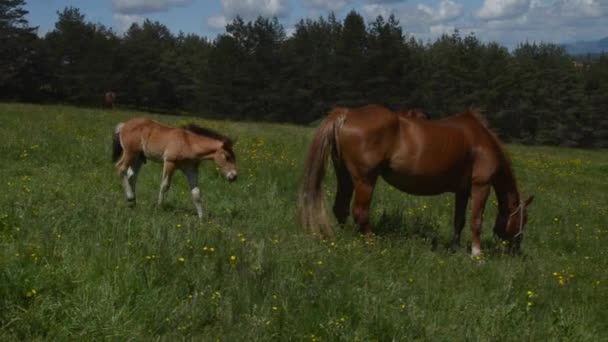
[396, 225]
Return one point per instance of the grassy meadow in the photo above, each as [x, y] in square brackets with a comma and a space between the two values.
[77, 264]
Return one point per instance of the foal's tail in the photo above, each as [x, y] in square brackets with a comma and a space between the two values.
[313, 211]
[116, 146]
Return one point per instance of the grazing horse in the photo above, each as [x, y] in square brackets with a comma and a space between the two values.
[109, 100]
[182, 148]
[457, 154]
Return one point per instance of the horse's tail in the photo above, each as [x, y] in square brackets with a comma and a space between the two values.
[116, 146]
[313, 211]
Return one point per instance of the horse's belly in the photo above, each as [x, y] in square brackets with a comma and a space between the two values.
[424, 185]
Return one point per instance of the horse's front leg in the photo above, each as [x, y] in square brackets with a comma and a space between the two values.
[363, 199]
[192, 175]
[165, 183]
[479, 196]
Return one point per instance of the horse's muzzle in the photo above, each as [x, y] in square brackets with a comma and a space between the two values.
[515, 248]
[231, 176]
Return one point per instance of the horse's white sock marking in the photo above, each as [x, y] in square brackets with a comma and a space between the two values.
[196, 198]
[475, 251]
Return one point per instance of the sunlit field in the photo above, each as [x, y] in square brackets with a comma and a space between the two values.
[76, 263]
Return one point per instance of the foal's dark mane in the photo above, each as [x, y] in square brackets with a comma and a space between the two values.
[206, 132]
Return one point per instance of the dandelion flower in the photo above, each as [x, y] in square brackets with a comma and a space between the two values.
[180, 259]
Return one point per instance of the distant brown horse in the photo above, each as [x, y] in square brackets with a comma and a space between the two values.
[457, 154]
[178, 148]
[109, 100]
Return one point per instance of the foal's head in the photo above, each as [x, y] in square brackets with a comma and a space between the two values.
[513, 230]
[225, 159]
[223, 156]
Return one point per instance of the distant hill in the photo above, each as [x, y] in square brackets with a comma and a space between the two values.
[587, 47]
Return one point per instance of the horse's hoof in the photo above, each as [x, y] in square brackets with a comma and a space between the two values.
[131, 202]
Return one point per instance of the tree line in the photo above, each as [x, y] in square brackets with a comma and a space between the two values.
[534, 94]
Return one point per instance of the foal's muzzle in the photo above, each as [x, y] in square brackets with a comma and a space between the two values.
[231, 176]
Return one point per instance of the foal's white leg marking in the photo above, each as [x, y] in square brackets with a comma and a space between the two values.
[132, 173]
[192, 175]
[196, 198]
[127, 186]
[475, 251]
[166, 181]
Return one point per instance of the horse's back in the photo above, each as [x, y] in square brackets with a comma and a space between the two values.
[147, 136]
[366, 136]
[436, 156]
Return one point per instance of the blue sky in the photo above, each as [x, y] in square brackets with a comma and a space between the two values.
[505, 21]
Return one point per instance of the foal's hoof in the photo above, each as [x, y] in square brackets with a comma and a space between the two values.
[131, 202]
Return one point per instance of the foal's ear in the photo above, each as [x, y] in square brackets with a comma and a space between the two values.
[228, 143]
[529, 200]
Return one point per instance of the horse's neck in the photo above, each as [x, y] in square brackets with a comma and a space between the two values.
[506, 191]
[205, 148]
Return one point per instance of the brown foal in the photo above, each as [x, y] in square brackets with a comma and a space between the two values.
[178, 148]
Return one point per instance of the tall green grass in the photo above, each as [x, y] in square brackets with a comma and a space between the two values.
[77, 263]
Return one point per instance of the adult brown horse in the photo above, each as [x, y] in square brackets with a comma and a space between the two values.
[457, 154]
[178, 148]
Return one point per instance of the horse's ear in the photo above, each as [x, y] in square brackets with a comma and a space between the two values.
[529, 200]
[227, 143]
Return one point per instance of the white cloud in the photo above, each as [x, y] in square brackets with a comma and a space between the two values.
[502, 9]
[250, 9]
[372, 11]
[328, 5]
[438, 30]
[217, 23]
[384, 1]
[546, 20]
[582, 8]
[446, 11]
[145, 6]
[122, 22]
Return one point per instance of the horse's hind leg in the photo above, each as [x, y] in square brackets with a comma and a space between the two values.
[125, 171]
[363, 199]
[192, 175]
[168, 169]
[344, 193]
[132, 173]
[460, 209]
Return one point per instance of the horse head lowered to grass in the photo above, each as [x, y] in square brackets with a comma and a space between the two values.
[178, 148]
[457, 154]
